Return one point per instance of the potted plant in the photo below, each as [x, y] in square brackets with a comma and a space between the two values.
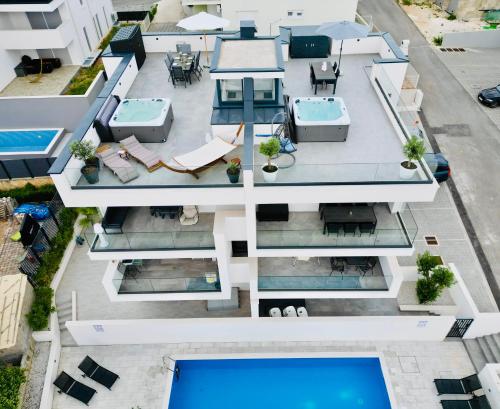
[233, 170]
[89, 217]
[85, 151]
[414, 150]
[269, 149]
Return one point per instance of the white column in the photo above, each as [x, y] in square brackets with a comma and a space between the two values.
[396, 207]
[251, 222]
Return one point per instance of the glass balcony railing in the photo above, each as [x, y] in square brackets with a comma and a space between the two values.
[325, 283]
[173, 240]
[143, 285]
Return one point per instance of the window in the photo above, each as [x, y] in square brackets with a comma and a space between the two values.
[295, 14]
[231, 90]
[87, 38]
[105, 19]
[264, 89]
[98, 25]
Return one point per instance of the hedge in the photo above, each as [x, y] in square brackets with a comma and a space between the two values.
[38, 317]
[30, 193]
[11, 379]
[81, 82]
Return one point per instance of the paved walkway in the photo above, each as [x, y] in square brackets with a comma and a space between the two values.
[411, 367]
[465, 134]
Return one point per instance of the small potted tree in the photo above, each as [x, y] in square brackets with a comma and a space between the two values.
[269, 149]
[85, 151]
[90, 215]
[414, 150]
[434, 278]
[233, 170]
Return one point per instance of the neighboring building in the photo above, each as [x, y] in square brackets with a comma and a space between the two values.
[269, 15]
[466, 9]
[66, 29]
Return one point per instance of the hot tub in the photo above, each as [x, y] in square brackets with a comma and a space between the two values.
[148, 119]
[321, 119]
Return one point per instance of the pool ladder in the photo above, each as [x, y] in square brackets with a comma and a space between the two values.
[176, 371]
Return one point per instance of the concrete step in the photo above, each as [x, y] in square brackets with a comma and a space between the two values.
[490, 358]
[476, 354]
[494, 348]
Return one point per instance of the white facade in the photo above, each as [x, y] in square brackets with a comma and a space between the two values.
[269, 15]
[65, 29]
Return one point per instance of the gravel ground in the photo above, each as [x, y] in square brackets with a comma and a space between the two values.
[36, 376]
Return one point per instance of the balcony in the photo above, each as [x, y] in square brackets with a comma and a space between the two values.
[306, 230]
[317, 274]
[167, 276]
[59, 37]
[142, 231]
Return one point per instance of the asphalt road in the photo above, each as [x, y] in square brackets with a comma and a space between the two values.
[463, 132]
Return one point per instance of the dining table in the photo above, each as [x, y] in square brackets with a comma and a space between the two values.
[323, 77]
[349, 214]
[185, 61]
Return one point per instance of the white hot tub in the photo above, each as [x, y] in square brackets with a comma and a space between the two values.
[321, 119]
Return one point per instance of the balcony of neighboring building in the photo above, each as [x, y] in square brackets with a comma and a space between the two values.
[32, 39]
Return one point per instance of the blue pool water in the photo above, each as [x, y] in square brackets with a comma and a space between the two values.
[26, 140]
[319, 110]
[292, 383]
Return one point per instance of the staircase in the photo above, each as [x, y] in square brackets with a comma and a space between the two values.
[64, 314]
[483, 350]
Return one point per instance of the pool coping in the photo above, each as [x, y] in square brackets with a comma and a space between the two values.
[284, 355]
[34, 154]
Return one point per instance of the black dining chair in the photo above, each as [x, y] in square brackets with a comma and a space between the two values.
[312, 76]
[197, 65]
[334, 66]
[337, 264]
[366, 228]
[334, 82]
[350, 228]
[332, 228]
[183, 48]
[178, 74]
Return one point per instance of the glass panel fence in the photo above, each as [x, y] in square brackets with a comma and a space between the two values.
[141, 285]
[178, 240]
[335, 282]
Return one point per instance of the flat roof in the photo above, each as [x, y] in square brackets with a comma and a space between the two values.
[253, 54]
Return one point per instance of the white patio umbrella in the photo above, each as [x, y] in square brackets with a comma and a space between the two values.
[203, 22]
[343, 30]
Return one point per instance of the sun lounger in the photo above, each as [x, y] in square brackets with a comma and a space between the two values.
[97, 373]
[120, 167]
[148, 158]
[465, 385]
[75, 389]
[477, 402]
[201, 158]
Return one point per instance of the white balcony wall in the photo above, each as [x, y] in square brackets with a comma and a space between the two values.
[30, 39]
[162, 43]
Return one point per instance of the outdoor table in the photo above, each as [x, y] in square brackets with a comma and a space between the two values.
[323, 77]
[349, 214]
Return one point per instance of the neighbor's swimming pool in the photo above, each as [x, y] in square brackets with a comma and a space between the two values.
[28, 141]
[280, 383]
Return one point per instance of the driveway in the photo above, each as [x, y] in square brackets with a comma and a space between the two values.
[462, 130]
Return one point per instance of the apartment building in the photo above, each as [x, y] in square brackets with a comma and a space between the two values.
[66, 29]
[329, 227]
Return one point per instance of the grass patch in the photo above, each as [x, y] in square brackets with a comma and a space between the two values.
[11, 379]
[451, 17]
[30, 193]
[152, 12]
[81, 82]
[407, 2]
[437, 40]
[38, 317]
[106, 40]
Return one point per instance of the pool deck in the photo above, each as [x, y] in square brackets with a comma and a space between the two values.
[411, 368]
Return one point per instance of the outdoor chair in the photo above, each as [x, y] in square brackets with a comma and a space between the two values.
[465, 385]
[366, 228]
[333, 228]
[198, 68]
[350, 228]
[97, 373]
[148, 158]
[73, 388]
[312, 76]
[189, 215]
[337, 264]
[477, 402]
[119, 166]
[183, 48]
[334, 65]
[178, 75]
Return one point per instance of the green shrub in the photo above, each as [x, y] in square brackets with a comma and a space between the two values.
[152, 12]
[106, 40]
[269, 149]
[431, 286]
[438, 40]
[407, 2]
[38, 317]
[426, 262]
[30, 193]
[81, 82]
[452, 16]
[11, 379]
[414, 148]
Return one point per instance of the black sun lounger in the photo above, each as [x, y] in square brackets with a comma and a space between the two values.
[465, 385]
[75, 389]
[477, 402]
[97, 373]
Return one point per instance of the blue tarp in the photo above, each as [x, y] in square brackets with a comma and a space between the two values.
[37, 211]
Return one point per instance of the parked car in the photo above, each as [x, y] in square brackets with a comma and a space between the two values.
[490, 96]
[438, 165]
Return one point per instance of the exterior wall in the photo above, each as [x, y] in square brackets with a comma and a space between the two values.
[472, 39]
[269, 15]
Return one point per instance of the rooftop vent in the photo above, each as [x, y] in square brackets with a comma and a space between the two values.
[431, 240]
[247, 29]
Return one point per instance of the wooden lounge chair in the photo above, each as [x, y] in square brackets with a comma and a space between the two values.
[465, 385]
[148, 158]
[202, 158]
[120, 167]
[477, 402]
[97, 373]
[75, 389]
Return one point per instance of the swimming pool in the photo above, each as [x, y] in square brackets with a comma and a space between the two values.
[321, 119]
[28, 142]
[279, 383]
